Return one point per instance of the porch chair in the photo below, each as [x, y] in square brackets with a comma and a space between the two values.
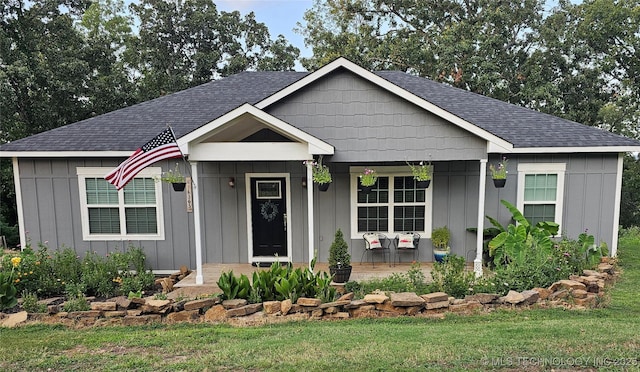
[407, 242]
[376, 242]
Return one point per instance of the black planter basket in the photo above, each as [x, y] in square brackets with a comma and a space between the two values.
[499, 183]
[423, 184]
[179, 186]
[324, 186]
[340, 275]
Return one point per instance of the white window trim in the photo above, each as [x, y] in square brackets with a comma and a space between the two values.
[100, 172]
[401, 171]
[543, 168]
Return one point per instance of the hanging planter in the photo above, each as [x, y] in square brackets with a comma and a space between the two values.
[499, 182]
[366, 189]
[179, 186]
[324, 186]
[423, 184]
[422, 173]
[368, 179]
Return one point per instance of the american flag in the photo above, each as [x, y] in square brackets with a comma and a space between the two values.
[162, 146]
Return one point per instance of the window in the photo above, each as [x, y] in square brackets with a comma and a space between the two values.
[540, 191]
[394, 205]
[135, 212]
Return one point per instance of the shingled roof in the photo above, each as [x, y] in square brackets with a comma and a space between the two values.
[126, 129]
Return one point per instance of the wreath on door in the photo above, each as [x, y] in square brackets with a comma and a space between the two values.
[269, 210]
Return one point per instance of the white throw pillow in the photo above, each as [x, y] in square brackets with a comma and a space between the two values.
[373, 241]
[405, 241]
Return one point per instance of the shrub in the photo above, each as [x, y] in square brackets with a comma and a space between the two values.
[30, 303]
[450, 277]
[411, 281]
[339, 251]
[76, 300]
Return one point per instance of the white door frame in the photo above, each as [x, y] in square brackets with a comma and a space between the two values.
[287, 180]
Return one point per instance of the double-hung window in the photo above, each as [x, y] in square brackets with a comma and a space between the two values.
[134, 212]
[541, 191]
[394, 205]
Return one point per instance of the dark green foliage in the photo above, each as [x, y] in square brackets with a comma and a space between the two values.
[411, 281]
[450, 277]
[233, 287]
[339, 251]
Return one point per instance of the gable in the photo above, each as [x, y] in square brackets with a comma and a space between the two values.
[367, 123]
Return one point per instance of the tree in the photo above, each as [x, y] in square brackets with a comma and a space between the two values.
[188, 42]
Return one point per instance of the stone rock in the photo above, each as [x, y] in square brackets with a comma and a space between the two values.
[253, 308]
[474, 305]
[566, 284]
[232, 304]
[14, 320]
[134, 312]
[375, 298]
[85, 314]
[413, 310]
[346, 296]
[606, 268]
[183, 316]
[199, 304]
[115, 314]
[137, 301]
[355, 304]
[530, 297]
[317, 313]
[589, 301]
[122, 302]
[285, 306]
[166, 283]
[389, 308]
[543, 293]
[339, 315]
[483, 298]
[215, 314]
[103, 306]
[309, 302]
[184, 270]
[158, 303]
[335, 304]
[406, 299]
[51, 300]
[458, 308]
[436, 305]
[435, 297]
[295, 308]
[329, 310]
[559, 295]
[579, 293]
[53, 309]
[244, 310]
[141, 320]
[456, 301]
[364, 312]
[513, 298]
[272, 307]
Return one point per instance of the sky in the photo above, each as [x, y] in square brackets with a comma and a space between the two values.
[280, 16]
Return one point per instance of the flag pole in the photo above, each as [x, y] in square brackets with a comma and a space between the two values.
[186, 165]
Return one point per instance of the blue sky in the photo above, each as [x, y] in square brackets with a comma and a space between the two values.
[280, 16]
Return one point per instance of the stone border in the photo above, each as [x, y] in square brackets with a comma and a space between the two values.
[577, 292]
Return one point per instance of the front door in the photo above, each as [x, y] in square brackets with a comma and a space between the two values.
[269, 218]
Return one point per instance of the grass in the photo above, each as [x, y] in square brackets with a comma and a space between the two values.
[605, 338]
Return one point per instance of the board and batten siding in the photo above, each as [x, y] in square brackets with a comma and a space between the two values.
[51, 203]
[368, 124]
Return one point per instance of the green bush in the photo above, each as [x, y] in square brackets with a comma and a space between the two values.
[450, 277]
[411, 281]
[30, 303]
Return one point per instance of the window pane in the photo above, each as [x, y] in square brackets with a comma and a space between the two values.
[535, 213]
[380, 193]
[140, 191]
[405, 190]
[408, 218]
[104, 221]
[540, 187]
[373, 219]
[99, 191]
[141, 220]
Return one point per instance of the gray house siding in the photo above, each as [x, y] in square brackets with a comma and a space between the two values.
[354, 116]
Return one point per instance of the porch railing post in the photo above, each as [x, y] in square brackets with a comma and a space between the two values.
[477, 263]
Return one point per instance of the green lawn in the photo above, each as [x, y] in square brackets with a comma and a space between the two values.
[606, 339]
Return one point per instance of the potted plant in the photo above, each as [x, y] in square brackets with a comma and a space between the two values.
[499, 173]
[440, 239]
[175, 178]
[339, 259]
[422, 174]
[321, 175]
[368, 178]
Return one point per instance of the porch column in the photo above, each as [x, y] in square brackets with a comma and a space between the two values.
[616, 207]
[196, 223]
[477, 263]
[310, 209]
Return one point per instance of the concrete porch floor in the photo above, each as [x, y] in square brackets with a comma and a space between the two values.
[360, 271]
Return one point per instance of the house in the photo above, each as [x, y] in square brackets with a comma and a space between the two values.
[246, 138]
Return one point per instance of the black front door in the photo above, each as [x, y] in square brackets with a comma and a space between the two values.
[269, 217]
